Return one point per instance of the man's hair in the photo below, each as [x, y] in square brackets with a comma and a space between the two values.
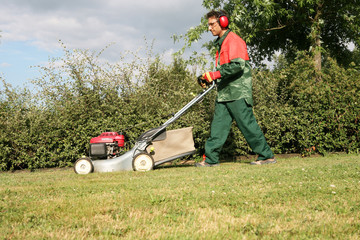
[217, 14]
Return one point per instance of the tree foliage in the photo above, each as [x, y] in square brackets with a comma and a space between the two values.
[289, 26]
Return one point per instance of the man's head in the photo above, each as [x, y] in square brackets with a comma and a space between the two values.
[218, 22]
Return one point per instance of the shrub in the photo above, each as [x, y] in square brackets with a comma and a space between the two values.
[300, 113]
[79, 96]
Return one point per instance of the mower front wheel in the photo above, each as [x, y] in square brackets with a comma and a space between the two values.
[143, 162]
[83, 166]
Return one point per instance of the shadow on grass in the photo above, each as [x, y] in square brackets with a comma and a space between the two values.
[191, 163]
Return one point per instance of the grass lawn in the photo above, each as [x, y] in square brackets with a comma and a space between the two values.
[298, 198]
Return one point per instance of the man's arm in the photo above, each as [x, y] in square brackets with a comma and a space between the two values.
[234, 68]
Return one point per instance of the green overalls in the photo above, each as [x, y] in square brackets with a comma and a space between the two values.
[234, 100]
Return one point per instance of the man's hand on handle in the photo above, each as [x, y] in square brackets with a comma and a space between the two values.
[211, 76]
[207, 78]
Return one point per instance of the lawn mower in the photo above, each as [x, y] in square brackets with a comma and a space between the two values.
[154, 147]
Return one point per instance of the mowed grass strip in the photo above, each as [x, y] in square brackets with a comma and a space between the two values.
[298, 198]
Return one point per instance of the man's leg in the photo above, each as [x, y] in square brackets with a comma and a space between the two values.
[220, 127]
[246, 122]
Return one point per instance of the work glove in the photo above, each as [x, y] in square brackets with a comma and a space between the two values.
[211, 76]
[202, 82]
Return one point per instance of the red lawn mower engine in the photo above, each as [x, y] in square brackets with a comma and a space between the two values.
[107, 145]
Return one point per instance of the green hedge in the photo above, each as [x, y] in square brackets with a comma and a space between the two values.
[301, 113]
[79, 96]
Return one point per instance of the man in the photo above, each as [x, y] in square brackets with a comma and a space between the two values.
[234, 97]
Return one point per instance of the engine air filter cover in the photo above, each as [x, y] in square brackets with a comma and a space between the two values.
[98, 149]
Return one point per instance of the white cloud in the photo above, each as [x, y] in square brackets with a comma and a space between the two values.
[31, 29]
[5, 65]
[96, 23]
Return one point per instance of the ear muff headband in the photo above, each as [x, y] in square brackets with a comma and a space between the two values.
[223, 20]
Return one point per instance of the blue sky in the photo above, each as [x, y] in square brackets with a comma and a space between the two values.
[18, 60]
[31, 29]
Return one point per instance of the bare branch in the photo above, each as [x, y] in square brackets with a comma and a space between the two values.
[275, 28]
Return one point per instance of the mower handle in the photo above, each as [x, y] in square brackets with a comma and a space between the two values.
[203, 83]
[180, 112]
[192, 102]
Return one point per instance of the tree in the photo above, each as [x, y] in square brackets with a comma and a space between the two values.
[288, 26]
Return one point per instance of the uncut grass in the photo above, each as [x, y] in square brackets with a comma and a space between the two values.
[296, 198]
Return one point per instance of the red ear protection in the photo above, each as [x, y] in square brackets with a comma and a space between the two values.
[223, 20]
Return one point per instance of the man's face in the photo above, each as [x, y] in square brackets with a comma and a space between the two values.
[214, 26]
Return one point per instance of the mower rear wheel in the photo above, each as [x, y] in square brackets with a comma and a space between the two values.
[83, 166]
[143, 162]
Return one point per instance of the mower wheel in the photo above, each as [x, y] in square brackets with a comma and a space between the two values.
[143, 162]
[83, 166]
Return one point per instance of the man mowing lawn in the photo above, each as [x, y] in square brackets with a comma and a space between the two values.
[234, 98]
